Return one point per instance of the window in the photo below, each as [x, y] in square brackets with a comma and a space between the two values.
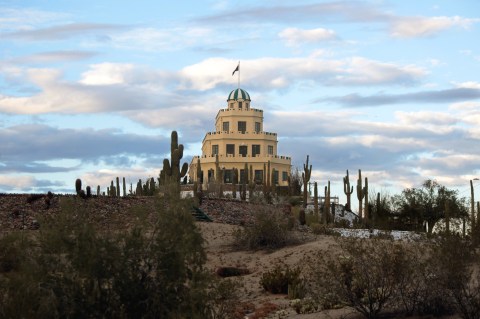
[214, 149]
[246, 105]
[242, 150]
[231, 149]
[231, 105]
[259, 176]
[239, 105]
[242, 126]
[226, 126]
[275, 177]
[255, 150]
[270, 149]
[227, 176]
[284, 176]
[258, 127]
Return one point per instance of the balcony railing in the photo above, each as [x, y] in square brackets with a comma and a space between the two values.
[287, 158]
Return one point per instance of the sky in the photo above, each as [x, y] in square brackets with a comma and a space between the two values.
[93, 89]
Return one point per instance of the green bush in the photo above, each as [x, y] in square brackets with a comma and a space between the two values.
[270, 230]
[73, 270]
[278, 280]
[440, 277]
[364, 275]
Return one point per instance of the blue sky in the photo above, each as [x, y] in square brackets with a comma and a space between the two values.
[92, 89]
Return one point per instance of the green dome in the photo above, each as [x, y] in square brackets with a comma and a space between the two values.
[238, 94]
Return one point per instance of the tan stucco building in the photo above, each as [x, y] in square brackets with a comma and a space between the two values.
[238, 139]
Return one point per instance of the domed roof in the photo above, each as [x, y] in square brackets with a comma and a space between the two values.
[239, 94]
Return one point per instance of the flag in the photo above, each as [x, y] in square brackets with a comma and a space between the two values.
[236, 69]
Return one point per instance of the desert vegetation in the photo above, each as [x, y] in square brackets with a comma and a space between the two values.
[72, 266]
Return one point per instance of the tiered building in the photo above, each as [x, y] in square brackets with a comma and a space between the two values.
[238, 139]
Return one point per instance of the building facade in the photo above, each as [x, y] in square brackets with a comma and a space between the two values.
[239, 138]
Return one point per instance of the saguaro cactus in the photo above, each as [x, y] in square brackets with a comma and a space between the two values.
[251, 183]
[234, 182]
[360, 194]
[118, 187]
[243, 194]
[472, 205]
[347, 190]
[172, 170]
[78, 186]
[113, 191]
[306, 174]
[326, 204]
[124, 188]
[199, 189]
[366, 210]
[315, 199]
[139, 189]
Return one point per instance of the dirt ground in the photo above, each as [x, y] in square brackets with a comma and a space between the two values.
[219, 239]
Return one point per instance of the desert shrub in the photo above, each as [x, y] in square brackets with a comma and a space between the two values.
[73, 270]
[270, 230]
[373, 275]
[322, 229]
[364, 275]
[223, 299]
[306, 305]
[278, 280]
[455, 265]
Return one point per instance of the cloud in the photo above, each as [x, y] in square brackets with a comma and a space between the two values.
[22, 183]
[61, 32]
[355, 11]
[342, 11]
[439, 96]
[362, 71]
[59, 96]
[36, 142]
[276, 73]
[409, 27]
[295, 36]
[12, 19]
[54, 57]
[117, 87]
[156, 40]
[410, 148]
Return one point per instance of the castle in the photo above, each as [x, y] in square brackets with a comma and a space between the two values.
[238, 139]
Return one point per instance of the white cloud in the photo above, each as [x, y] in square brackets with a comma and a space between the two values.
[275, 73]
[154, 40]
[468, 85]
[106, 74]
[466, 106]
[410, 27]
[295, 36]
[359, 70]
[12, 19]
[17, 181]
[426, 118]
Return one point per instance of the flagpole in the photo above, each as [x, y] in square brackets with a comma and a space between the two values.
[238, 74]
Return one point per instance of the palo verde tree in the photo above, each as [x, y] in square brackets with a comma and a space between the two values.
[426, 204]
